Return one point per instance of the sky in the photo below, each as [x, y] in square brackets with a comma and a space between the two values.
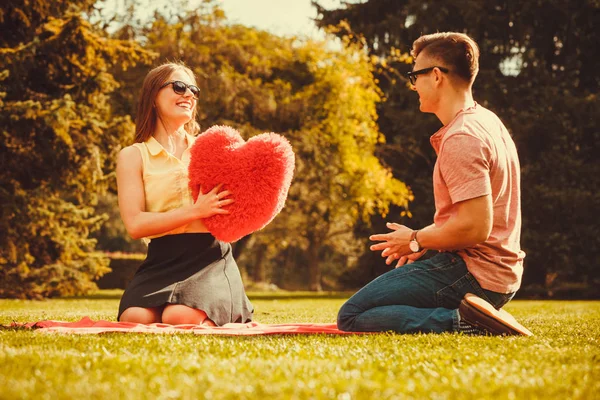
[281, 17]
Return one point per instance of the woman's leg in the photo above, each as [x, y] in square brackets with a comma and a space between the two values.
[419, 297]
[141, 315]
[178, 314]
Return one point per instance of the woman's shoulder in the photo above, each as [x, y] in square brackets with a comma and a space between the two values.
[134, 148]
[130, 155]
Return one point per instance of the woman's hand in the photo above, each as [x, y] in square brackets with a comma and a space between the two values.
[211, 203]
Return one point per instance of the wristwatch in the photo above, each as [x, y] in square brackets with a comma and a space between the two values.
[414, 245]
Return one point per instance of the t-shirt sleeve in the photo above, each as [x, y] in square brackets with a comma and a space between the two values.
[465, 167]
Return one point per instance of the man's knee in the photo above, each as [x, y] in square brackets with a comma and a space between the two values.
[346, 317]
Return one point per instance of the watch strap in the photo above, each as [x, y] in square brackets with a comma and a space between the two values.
[413, 238]
[413, 235]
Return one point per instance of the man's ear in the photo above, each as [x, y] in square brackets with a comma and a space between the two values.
[438, 75]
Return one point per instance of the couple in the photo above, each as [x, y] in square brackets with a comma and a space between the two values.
[189, 277]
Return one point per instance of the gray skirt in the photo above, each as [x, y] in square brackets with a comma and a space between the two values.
[192, 269]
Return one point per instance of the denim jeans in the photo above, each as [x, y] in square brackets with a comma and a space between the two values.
[420, 297]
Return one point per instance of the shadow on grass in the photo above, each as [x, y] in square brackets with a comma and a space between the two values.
[106, 294]
[298, 295]
[115, 294]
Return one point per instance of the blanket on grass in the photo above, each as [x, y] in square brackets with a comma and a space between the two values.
[87, 326]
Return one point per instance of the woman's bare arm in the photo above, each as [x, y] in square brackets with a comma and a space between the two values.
[132, 203]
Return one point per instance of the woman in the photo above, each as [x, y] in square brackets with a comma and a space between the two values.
[188, 276]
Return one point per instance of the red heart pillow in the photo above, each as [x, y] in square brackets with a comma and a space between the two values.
[258, 173]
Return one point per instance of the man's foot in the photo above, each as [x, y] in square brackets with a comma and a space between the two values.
[479, 314]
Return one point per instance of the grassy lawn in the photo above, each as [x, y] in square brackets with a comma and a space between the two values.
[562, 361]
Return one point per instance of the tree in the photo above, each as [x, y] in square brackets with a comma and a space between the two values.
[537, 72]
[59, 139]
[323, 101]
[339, 181]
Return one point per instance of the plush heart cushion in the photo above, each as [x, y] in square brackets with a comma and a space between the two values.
[258, 173]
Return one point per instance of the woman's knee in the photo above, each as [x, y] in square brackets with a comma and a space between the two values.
[178, 314]
[140, 315]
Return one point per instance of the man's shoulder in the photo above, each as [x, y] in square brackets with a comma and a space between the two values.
[481, 113]
[479, 123]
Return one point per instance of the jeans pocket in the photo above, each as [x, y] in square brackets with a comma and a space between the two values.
[498, 300]
[451, 296]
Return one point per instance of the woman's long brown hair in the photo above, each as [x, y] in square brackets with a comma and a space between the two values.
[146, 117]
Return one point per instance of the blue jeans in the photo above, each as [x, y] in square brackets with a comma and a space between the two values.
[420, 297]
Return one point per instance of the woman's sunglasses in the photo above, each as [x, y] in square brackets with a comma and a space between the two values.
[181, 87]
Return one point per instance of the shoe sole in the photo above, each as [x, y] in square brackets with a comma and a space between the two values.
[502, 316]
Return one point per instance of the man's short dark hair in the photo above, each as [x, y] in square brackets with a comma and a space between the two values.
[454, 50]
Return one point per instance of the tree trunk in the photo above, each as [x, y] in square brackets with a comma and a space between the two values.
[239, 246]
[314, 268]
[259, 272]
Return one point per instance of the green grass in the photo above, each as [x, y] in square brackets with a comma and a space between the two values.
[562, 361]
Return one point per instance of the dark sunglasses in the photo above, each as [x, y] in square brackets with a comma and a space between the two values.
[181, 87]
[412, 75]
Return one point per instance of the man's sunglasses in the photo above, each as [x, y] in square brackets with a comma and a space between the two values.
[181, 87]
[412, 75]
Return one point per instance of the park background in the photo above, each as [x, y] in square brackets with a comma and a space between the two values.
[70, 72]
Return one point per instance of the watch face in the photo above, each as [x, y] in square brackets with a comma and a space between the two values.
[413, 246]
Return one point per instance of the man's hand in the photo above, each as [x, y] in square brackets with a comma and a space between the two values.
[409, 259]
[393, 244]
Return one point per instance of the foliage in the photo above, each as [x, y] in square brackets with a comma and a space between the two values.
[323, 101]
[538, 73]
[382, 366]
[58, 141]
[63, 121]
[112, 235]
[122, 269]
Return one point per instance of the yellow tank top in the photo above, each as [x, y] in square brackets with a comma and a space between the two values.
[166, 181]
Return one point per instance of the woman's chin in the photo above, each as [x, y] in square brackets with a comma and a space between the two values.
[179, 119]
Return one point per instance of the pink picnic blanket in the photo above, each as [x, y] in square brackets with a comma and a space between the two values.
[86, 325]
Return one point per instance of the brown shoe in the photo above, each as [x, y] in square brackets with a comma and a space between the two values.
[479, 313]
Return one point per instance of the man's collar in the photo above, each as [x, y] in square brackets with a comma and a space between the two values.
[436, 138]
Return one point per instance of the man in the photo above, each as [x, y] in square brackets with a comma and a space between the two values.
[477, 223]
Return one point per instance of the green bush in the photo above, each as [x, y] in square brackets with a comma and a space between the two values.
[123, 267]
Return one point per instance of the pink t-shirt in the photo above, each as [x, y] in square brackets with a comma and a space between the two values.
[477, 157]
